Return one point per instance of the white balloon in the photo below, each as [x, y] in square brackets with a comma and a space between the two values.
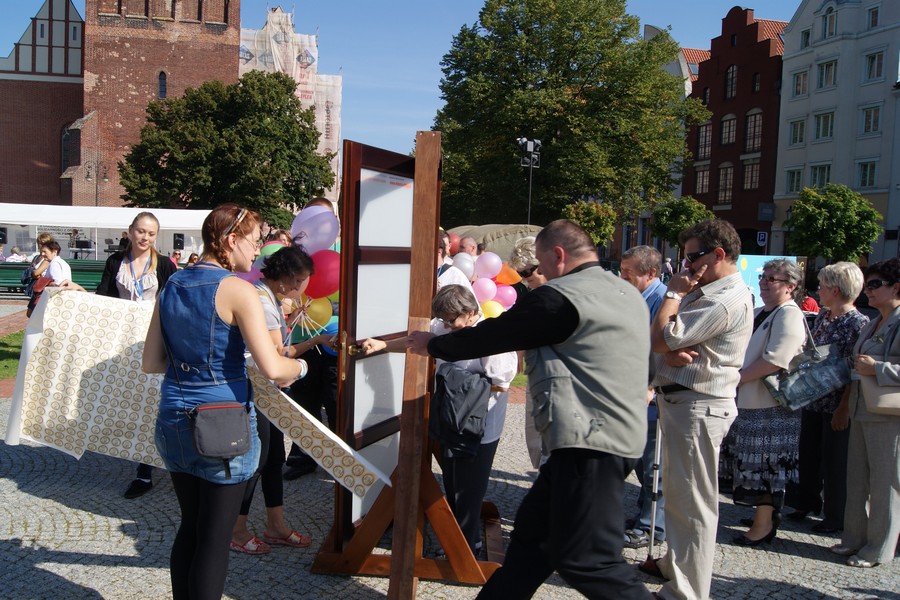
[465, 263]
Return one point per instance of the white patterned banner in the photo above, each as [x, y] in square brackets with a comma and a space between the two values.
[82, 388]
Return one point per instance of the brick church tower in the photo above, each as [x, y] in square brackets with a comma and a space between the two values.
[136, 51]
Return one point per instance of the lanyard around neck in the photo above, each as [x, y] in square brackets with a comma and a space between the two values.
[138, 283]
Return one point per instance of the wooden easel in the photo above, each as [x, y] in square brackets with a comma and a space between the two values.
[414, 496]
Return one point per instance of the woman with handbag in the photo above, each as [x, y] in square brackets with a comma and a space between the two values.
[203, 322]
[824, 423]
[873, 456]
[765, 434]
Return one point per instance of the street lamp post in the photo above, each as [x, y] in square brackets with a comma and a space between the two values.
[94, 170]
[531, 158]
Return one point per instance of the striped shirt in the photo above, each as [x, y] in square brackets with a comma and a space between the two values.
[716, 321]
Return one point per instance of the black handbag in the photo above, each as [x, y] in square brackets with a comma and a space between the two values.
[814, 373]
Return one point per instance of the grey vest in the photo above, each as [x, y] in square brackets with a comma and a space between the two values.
[590, 391]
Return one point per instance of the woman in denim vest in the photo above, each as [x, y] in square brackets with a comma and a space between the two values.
[205, 319]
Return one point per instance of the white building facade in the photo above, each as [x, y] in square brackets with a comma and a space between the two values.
[840, 109]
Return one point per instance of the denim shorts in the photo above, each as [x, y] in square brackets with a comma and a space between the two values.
[175, 443]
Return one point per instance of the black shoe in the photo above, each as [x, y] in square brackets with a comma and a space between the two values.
[649, 567]
[798, 515]
[138, 488]
[826, 527]
[298, 471]
[743, 540]
[636, 538]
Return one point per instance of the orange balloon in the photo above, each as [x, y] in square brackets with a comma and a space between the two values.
[507, 275]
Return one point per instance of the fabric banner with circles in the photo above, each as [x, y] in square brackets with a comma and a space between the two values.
[82, 388]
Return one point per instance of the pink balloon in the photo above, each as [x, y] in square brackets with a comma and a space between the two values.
[484, 289]
[506, 295]
[488, 265]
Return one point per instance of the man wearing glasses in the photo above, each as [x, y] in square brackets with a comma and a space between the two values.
[586, 336]
[699, 336]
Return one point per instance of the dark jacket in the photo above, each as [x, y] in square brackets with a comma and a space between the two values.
[107, 287]
[459, 406]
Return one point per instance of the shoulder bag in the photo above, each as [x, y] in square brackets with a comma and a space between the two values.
[816, 372]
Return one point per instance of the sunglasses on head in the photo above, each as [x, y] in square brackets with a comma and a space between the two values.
[694, 256]
[874, 284]
[526, 272]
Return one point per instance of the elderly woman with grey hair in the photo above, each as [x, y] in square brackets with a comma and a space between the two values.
[824, 424]
[765, 434]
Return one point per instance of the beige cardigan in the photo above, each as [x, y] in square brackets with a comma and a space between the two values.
[777, 340]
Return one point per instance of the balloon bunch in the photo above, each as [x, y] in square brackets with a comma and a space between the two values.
[493, 286]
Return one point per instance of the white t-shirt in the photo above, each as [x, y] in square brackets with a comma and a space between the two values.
[500, 368]
[59, 271]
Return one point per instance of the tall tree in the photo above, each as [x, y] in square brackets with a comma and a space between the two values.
[598, 220]
[672, 217]
[250, 143]
[576, 75]
[834, 222]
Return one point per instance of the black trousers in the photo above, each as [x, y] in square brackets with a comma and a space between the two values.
[199, 560]
[465, 483]
[571, 522]
[271, 459]
[315, 391]
[823, 467]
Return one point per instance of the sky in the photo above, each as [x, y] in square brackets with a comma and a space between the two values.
[389, 51]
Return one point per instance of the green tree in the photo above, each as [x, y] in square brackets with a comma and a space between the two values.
[250, 142]
[672, 217]
[834, 222]
[598, 220]
[576, 75]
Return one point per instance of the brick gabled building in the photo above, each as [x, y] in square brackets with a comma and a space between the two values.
[733, 172]
[77, 90]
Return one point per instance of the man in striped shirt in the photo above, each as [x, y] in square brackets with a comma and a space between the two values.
[699, 336]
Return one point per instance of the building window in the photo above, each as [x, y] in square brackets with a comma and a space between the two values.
[729, 127]
[41, 31]
[74, 33]
[871, 118]
[872, 19]
[702, 186]
[753, 132]
[163, 85]
[797, 133]
[801, 84]
[706, 96]
[731, 81]
[829, 23]
[865, 177]
[704, 141]
[70, 149]
[756, 82]
[827, 74]
[824, 126]
[804, 38]
[726, 181]
[794, 181]
[751, 174]
[819, 175]
[874, 66]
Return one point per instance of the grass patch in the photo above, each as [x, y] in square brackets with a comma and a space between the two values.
[519, 380]
[10, 349]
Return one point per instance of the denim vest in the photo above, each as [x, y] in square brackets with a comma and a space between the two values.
[205, 349]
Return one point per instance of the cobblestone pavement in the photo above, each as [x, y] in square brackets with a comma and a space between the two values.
[66, 532]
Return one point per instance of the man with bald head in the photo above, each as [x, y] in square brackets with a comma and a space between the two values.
[587, 343]
[468, 245]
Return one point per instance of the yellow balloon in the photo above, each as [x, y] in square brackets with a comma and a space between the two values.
[319, 311]
[491, 309]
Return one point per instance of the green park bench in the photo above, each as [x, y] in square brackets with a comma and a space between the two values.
[86, 273]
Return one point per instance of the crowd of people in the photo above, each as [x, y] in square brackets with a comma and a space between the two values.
[656, 371]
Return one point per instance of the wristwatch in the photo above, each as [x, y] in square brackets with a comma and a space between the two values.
[674, 295]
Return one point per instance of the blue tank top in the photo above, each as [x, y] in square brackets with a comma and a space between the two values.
[206, 350]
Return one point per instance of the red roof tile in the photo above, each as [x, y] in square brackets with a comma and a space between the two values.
[773, 30]
[694, 56]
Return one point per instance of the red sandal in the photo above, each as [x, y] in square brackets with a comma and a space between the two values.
[293, 539]
[252, 546]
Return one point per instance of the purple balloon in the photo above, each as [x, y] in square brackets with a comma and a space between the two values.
[488, 265]
[505, 295]
[252, 276]
[484, 289]
[315, 228]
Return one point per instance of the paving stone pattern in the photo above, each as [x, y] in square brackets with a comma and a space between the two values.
[66, 532]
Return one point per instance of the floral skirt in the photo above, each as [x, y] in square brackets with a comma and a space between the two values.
[764, 449]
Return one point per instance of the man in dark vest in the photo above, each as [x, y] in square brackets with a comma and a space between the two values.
[587, 337]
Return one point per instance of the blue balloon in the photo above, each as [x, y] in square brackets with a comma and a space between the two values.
[331, 329]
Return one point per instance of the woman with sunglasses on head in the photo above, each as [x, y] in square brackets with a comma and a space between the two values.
[203, 322]
[525, 263]
[873, 454]
[824, 423]
[285, 274]
[765, 434]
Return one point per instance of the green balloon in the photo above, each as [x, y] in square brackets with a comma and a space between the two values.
[270, 248]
